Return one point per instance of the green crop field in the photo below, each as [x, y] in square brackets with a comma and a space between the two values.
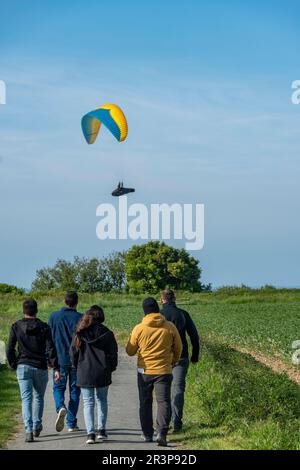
[232, 401]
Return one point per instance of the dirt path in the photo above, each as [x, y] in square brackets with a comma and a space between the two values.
[123, 420]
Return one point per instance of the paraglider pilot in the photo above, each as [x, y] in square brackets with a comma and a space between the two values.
[120, 191]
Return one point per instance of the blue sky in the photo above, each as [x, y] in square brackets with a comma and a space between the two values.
[206, 88]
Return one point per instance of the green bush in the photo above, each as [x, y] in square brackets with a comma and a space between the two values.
[8, 289]
[155, 266]
[83, 274]
[233, 290]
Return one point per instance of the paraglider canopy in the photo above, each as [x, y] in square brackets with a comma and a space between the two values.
[114, 119]
[111, 116]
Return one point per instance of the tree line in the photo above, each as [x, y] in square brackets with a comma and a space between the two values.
[143, 268]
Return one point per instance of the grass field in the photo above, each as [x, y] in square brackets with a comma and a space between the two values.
[9, 404]
[232, 401]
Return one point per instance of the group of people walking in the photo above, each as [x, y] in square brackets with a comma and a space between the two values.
[83, 354]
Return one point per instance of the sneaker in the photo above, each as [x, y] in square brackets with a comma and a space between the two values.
[60, 420]
[101, 435]
[37, 432]
[161, 440]
[29, 437]
[90, 439]
[147, 438]
[76, 428]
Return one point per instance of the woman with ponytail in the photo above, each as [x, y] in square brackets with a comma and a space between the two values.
[94, 353]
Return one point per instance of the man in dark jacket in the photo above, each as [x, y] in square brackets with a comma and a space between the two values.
[63, 324]
[35, 351]
[184, 324]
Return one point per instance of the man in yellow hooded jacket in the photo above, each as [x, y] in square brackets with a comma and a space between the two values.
[159, 347]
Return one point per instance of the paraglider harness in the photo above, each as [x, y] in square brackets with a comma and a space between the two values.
[121, 191]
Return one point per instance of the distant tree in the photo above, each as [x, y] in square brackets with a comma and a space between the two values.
[242, 289]
[62, 275]
[89, 276]
[65, 275]
[9, 289]
[155, 266]
[114, 264]
[83, 274]
[268, 287]
[101, 275]
[44, 280]
[206, 287]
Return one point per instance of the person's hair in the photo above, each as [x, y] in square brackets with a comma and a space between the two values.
[150, 305]
[30, 307]
[168, 295]
[93, 316]
[71, 298]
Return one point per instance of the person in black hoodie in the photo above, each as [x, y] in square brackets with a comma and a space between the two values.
[36, 351]
[94, 353]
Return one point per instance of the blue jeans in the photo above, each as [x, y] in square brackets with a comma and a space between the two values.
[88, 395]
[32, 383]
[59, 389]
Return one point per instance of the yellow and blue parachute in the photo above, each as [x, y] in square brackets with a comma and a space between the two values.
[111, 116]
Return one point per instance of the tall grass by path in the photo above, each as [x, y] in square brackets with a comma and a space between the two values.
[9, 404]
[233, 402]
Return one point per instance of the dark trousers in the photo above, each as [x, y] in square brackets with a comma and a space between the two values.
[178, 388]
[161, 384]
